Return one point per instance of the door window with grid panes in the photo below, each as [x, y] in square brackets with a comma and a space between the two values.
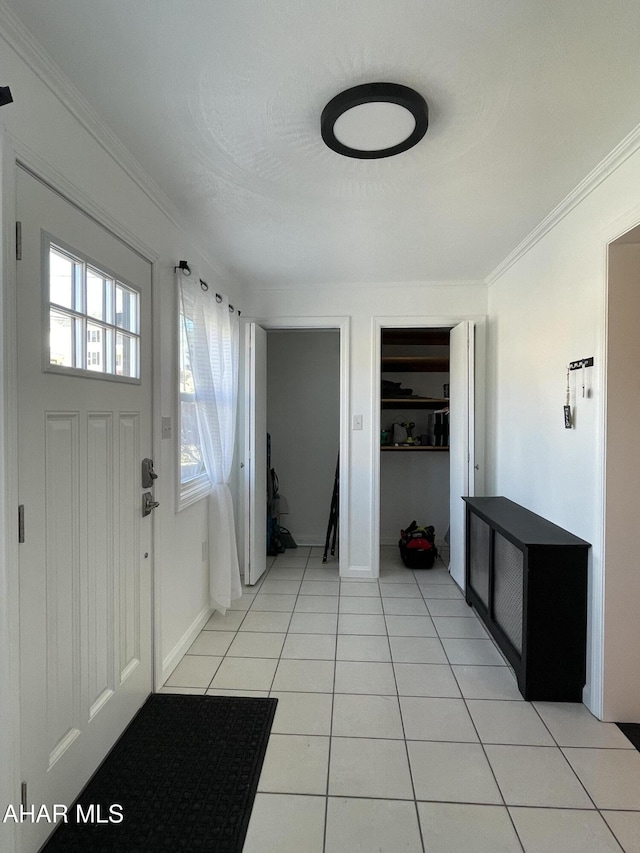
[94, 318]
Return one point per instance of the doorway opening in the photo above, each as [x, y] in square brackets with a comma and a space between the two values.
[414, 434]
[451, 348]
[303, 422]
[296, 388]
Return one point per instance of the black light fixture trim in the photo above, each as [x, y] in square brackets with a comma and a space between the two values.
[5, 96]
[367, 93]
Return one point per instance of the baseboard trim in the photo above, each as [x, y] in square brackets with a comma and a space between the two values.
[304, 541]
[363, 572]
[176, 654]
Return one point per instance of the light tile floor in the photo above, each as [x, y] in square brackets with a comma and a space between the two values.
[399, 726]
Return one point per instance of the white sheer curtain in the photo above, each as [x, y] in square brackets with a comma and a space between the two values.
[212, 332]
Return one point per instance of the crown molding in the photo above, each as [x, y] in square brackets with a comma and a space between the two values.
[18, 37]
[625, 149]
[387, 286]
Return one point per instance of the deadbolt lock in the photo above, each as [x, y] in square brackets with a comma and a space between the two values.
[148, 474]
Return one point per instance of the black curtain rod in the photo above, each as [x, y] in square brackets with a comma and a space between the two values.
[184, 267]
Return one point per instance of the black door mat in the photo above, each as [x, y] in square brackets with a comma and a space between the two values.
[184, 774]
[632, 731]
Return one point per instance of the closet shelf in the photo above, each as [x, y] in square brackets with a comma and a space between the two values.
[414, 402]
[415, 447]
[415, 364]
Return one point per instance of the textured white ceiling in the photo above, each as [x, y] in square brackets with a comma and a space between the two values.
[220, 102]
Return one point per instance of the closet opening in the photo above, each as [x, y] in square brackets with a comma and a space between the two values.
[414, 434]
[303, 423]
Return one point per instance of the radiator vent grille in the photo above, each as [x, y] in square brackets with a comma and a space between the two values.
[508, 589]
[480, 543]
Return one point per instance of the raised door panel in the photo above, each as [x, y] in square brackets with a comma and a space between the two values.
[100, 576]
[64, 717]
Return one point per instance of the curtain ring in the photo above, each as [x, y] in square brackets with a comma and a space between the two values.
[218, 297]
[183, 266]
[231, 308]
[204, 285]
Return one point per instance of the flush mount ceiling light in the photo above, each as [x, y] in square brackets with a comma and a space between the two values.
[374, 120]
[5, 96]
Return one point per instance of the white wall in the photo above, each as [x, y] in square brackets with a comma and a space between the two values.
[56, 134]
[413, 486]
[422, 304]
[303, 418]
[545, 310]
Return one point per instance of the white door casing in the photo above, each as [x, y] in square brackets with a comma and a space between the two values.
[461, 439]
[465, 446]
[85, 564]
[256, 446]
[252, 414]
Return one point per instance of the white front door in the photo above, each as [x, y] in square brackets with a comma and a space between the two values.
[256, 444]
[461, 439]
[84, 416]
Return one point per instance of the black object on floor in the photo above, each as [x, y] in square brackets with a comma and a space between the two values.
[185, 774]
[632, 731]
[287, 539]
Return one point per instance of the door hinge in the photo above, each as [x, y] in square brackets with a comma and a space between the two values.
[21, 523]
[18, 241]
[23, 795]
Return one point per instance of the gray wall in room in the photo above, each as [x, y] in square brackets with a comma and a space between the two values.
[303, 418]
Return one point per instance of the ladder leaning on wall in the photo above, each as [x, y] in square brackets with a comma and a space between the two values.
[332, 528]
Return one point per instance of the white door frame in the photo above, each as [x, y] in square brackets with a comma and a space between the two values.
[255, 457]
[602, 562]
[419, 322]
[342, 325]
[13, 154]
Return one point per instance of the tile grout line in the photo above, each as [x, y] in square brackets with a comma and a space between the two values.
[482, 746]
[560, 748]
[333, 700]
[406, 745]
[422, 595]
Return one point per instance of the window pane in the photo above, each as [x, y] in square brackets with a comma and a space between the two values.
[186, 375]
[96, 292]
[96, 348]
[191, 464]
[126, 308]
[127, 355]
[61, 278]
[61, 338]
[87, 309]
[191, 461]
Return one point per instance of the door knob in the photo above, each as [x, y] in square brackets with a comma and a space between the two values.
[148, 504]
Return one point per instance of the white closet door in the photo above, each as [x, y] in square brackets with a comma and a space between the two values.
[461, 438]
[256, 463]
